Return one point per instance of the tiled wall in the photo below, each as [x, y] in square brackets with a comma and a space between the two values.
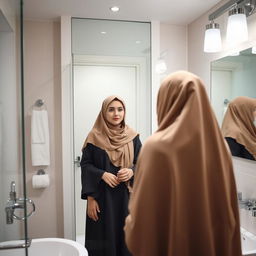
[245, 173]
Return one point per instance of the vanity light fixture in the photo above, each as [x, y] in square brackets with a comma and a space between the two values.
[114, 8]
[161, 66]
[212, 38]
[237, 30]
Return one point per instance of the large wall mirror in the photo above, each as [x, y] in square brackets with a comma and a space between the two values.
[109, 58]
[231, 78]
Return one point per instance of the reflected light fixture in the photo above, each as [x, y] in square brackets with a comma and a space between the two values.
[114, 8]
[237, 31]
[212, 38]
[161, 66]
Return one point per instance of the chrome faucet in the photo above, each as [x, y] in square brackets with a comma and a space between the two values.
[249, 204]
[16, 203]
[9, 206]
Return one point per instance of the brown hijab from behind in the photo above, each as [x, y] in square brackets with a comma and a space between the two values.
[238, 122]
[184, 201]
[117, 143]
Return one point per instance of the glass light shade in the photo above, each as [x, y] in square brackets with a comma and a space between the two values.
[160, 66]
[212, 40]
[237, 30]
[254, 50]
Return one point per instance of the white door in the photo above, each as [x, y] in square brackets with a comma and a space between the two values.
[92, 84]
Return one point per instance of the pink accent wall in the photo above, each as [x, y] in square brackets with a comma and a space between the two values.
[42, 81]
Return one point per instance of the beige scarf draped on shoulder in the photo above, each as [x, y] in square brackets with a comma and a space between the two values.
[238, 122]
[117, 143]
[184, 200]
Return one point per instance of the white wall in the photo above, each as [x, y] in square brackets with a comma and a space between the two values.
[199, 63]
[173, 43]
[8, 9]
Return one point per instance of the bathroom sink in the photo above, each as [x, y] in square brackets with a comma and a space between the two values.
[248, 243]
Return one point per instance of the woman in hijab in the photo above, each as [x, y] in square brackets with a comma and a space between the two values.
[239, 127]
[184, 200]
[109, 155]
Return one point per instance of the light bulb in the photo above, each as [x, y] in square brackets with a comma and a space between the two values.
[160, 66]
[114, 8]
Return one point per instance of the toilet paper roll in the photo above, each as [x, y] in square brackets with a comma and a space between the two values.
[40, 181]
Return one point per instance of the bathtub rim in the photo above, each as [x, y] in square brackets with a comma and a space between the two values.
[81, 249]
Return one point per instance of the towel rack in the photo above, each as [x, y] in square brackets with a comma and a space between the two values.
[39, 103]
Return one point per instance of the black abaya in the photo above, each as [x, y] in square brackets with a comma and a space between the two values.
[105, 237]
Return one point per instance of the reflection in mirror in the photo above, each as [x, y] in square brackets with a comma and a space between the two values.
[233, 96]
[109, 58]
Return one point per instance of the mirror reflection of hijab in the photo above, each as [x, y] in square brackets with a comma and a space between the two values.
[184, 199]
[238, 122]
[117, 143]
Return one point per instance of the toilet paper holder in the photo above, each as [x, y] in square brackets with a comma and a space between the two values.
[41, 172]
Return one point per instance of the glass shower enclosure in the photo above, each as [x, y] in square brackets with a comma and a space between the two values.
[14, 207]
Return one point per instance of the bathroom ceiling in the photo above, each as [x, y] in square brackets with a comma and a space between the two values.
[177, 12]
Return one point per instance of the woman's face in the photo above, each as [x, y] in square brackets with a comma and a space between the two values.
[115, 113]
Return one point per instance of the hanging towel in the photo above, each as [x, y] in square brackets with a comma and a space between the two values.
[40, 146]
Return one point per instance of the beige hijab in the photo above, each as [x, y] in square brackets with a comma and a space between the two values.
[238, 123]
[184, 201]
[117, 143]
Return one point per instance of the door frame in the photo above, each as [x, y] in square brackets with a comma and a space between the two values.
[67, 116]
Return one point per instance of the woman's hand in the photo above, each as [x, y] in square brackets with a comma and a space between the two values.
[110, 179]
[124, 174]
[92, 208]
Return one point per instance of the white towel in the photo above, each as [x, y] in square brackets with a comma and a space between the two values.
[40, 146]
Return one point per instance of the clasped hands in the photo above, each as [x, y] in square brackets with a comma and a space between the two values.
[112, 180]
[123, 175]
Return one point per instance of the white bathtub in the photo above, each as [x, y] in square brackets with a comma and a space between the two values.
[248, 243]
[49, 247]
[65, 247]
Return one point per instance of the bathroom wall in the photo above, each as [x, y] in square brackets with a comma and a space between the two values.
[173, 45]
[199, 63]
[42, 81]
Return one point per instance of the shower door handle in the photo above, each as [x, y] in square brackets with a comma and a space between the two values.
[15, 244]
